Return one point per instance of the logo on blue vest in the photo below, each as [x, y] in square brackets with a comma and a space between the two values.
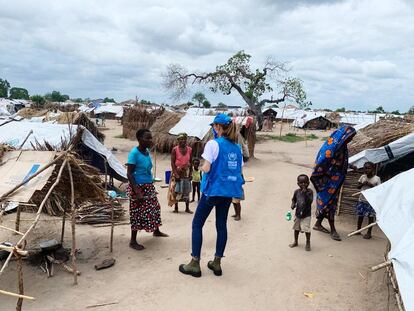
[232, 156]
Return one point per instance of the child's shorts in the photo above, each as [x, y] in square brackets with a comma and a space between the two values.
[238, 200]
[302, 224]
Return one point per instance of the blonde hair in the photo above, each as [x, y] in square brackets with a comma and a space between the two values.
[230, 131]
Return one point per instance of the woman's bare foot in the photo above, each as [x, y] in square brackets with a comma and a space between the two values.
[192, 201]
[136, 246]
[234, 216]
[237, 218]
[294, 244]
[188, 211]
[175, 211]
[160, 234]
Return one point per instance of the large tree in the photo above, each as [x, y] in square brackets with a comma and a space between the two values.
[200, 98]
[237, 76]
[56, 96]
[38, 100]
[19, 93]
[4, 88]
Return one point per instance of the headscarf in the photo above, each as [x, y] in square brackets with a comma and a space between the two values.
[331, 166]
[182, 135]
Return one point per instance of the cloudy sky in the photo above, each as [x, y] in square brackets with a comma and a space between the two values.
[353, 53]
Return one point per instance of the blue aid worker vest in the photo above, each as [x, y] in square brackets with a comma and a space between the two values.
[225, 178]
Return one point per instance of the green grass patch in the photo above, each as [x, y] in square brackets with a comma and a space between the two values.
[289, 137]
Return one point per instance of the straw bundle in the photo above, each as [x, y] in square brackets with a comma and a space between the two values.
[32, 113]
[139, 117]
[163, 141]
[66, 117]
[380, 134]
[88, 187]
[82, 119]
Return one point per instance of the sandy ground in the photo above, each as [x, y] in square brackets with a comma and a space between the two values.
[260, 271]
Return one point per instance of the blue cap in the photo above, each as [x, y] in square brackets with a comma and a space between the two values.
[221, 118]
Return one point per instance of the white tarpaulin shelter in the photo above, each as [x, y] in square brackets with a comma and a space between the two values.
[117, 110]
[307, 116]
[393, 201]
[196, 126]
[398, 148]
[14, 133]
[18, 166]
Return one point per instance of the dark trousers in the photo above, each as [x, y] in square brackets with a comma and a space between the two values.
[202, 212]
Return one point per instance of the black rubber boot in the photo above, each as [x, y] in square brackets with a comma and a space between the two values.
[192, 268]
[215, 266]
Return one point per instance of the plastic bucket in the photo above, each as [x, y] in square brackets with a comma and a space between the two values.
[167, 177]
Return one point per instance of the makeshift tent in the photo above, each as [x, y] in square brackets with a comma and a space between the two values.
[313, 121]
[55, 135]
[194, 125]
[139, 117]
[393, 202]
[395, 149]
[109, 111]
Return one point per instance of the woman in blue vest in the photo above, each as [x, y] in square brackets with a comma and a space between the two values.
[222, 181]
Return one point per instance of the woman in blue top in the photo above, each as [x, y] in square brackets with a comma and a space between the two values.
[222, 181]
[144, 208]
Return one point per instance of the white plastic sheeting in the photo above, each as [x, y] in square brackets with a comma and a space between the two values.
[393, 202]
[200, 112]
[117, 110]
[196, 126]
[14, 133]
[399, 148]
[306, 117]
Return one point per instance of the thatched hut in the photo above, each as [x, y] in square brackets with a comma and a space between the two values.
[139, 117]
[376, 135]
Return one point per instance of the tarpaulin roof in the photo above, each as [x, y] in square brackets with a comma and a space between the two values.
[306, 117]
[19, 166]
[393, 202]
[193, 125]
[14, 133]
[396, 149]
[118, 110]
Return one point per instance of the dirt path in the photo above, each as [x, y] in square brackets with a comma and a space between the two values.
[260, 271]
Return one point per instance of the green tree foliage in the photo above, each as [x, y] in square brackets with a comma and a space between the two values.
[379, 109]
[38, 100]
[340, 109]
[221, 105]
[56, 96]
[199, 98]
[111, 100]
[396, 112]
[236, 75]
[4, 88]
[411, 110]
[19, 93]
[206, 104]
[77, 100]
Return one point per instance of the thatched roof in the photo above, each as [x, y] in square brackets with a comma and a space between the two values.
[138, 117]
[82, 119]
[87, 183]
[380, 134]
[32, 113]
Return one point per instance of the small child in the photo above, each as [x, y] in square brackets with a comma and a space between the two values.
[302, 201]
[196, 179]
[363, 208]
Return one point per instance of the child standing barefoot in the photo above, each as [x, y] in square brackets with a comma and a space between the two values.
[302, 201]
[363, 208]
[196, 179]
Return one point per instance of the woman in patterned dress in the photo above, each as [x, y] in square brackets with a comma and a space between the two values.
[144, 208]
[328, 176]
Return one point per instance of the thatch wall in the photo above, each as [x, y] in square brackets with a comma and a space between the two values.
[380, 134]
[138, 117]
[163, 141]
[350, 187]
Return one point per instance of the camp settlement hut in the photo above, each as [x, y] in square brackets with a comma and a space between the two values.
[388, 143]
[311, 120]
[165, 125]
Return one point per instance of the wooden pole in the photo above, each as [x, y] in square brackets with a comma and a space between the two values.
[155, 163]
[17, 227]
[111, 242]
[62, 235]
[12, 230]
[362, 229]
[20, 280]
[24, 141]
[3, 292]
[339, 200]
[72, 203]
[381, 266]
[281, 123]
[42, 204]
